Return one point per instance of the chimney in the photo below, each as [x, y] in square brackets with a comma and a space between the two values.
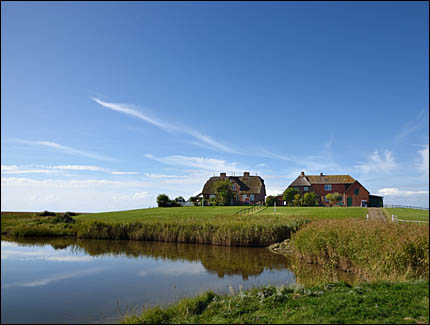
[222, 175]
[245, 174]
[321, 174]
[302, 174]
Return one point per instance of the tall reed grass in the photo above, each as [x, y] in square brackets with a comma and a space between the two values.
[231, 233]
[376, 249]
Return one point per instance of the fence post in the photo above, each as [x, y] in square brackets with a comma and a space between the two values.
[392, 218]
[367, 216]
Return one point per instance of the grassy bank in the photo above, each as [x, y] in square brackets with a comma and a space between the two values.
[376, 249]
[200, 225]
[382, 302]
[218, 229]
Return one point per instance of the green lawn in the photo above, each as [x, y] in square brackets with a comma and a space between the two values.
[197, 213]
[409, 214]
[318, 212]
[160, 214]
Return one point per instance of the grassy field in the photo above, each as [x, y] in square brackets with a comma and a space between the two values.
[375, 303]
[409, 214]
[317, 212]
[160, 214]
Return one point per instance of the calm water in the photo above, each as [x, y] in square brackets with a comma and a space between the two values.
[81, 281]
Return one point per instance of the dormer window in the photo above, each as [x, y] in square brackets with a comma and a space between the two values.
[327, 187]
[305, 188]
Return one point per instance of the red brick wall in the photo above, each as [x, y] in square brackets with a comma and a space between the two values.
[363, 194]
[319, 190]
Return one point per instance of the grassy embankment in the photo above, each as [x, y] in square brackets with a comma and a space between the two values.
[377, 250]
[202, 225]
[380, 251]
[408, 214]
[383, 302]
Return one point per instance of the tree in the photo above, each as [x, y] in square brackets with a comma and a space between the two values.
[223, 192]
[333, 198]
[270, 200]
[163, 200]
[289, 195]
[180, 199]
[298, 200]
[310, 199]
[195, 200]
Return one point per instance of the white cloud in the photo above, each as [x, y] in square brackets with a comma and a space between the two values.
[423, 164]
[89, 195]
[263, 152]
[65, 149]
[80, 167]
[163, 175]
[126, 109]
[12, 169]
[123, 173]
[376, 163]
[418, 123]
[209, 164]
[140, 195]
[395, 191]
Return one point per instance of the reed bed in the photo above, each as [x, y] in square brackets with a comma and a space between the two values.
[225, 230]
[378, 250]
[237, 231]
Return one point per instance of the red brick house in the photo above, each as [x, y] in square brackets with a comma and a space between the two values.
[353, 193]
[248, 189]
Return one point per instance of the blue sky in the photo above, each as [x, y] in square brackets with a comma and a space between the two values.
[106, 105]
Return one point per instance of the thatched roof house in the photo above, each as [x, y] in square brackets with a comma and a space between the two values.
[248, 189]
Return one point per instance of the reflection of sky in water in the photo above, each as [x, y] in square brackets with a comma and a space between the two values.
[42, 284]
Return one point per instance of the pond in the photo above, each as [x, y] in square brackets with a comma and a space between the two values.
[59, 280]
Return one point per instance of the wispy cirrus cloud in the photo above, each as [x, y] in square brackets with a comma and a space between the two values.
[64, 149]
[130, 110]
[423, 163]
[13, 169]
[209, 164]
[419, 122]
[377, 163]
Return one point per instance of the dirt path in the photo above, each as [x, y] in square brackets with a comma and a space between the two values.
[376, 214]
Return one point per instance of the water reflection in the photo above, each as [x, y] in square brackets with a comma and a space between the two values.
[219, 260]
[69, 280]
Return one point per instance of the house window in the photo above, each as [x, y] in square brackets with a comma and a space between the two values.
[296, 188]
[244, 196]
[234, 187]
[212, 196]
[356, 191]
[327, 187]
[306, 188]
[252, 197]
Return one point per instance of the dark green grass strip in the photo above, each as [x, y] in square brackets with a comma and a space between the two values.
[377, 303]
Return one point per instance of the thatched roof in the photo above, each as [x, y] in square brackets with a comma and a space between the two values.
[247, 185]
[330, 179]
